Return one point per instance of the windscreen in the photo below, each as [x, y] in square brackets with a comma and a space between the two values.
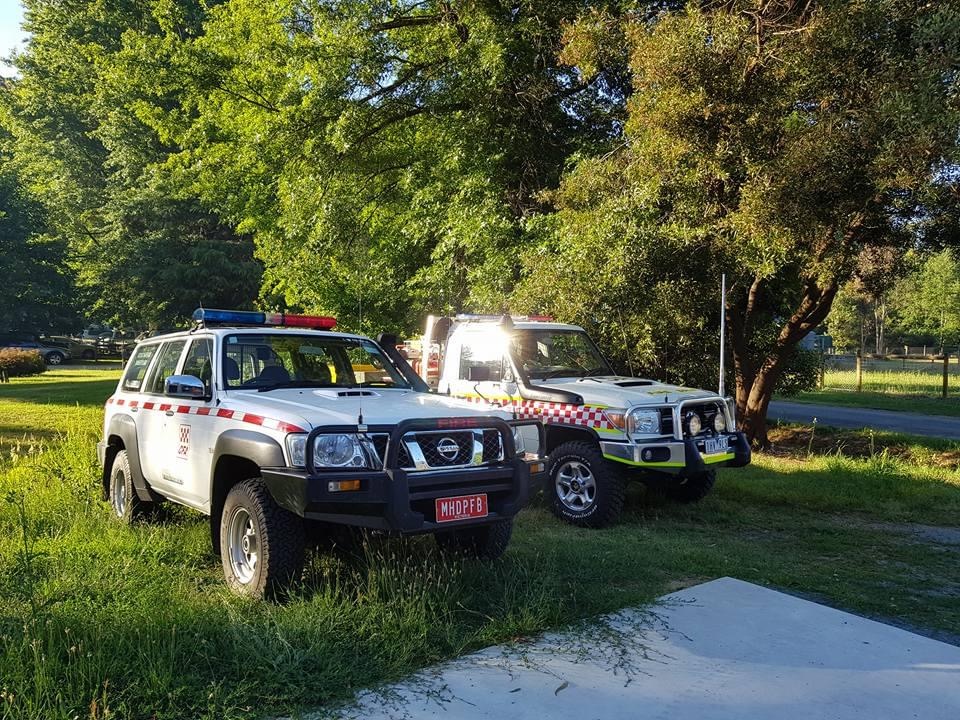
[543, 354]
[278, 360]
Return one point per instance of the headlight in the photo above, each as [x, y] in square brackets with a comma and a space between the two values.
[333, 451]
[297, 449]
[339, 451]
[643, 422]
[719, 422]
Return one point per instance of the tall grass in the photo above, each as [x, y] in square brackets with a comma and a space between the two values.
[101, 620]
[895, 382]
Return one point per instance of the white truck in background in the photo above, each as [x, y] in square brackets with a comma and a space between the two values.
[602, 428]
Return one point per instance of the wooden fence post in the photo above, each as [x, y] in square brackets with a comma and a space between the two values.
[859, 373]
[946, 373]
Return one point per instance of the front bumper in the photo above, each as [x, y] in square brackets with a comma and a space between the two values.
[685, 457]
[402, 501]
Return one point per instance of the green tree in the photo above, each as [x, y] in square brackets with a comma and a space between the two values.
[37, 294]
[144, 249]
[928, 300]
[779, 142]
[383, 155]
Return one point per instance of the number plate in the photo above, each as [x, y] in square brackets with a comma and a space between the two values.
[461, 507]
[712, 446]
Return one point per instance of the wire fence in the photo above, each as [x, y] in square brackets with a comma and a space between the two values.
[938, 377]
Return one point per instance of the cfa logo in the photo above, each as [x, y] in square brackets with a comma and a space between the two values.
[183, 450]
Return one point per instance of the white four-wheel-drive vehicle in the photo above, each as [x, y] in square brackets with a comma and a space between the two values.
[273, 431]
[601, 428]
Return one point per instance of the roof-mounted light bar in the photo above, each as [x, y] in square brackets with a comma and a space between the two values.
[470, 317]
[205, 316]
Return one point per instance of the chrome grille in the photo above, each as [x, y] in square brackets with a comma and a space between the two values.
[422, 450]
[444, 450]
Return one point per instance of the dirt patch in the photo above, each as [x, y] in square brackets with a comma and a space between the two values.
[936, 534]
[799, 441]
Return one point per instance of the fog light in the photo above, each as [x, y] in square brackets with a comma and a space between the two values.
[343, 485]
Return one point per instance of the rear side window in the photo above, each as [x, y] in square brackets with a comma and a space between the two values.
[137, 367]
[481, 358]
[165, 366]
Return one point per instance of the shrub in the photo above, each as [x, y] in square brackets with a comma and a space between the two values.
[17, 363]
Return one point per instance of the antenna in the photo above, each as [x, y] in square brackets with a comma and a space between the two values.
[723, 327]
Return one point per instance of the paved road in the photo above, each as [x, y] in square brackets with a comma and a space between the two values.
[846, 417]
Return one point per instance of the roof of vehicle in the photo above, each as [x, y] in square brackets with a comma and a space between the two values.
[520, 325]
[249, 330]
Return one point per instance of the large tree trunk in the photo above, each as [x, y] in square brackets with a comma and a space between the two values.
[757, 379]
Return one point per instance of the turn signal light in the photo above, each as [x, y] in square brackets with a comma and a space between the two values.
[343, 485]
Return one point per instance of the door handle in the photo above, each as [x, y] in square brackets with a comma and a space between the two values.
[169, 413]
[134, 409]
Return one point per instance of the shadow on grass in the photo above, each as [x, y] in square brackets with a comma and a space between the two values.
[78, 392]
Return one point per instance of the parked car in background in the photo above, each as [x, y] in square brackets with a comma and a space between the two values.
[52, 355]
[76, 349]
[116, 342]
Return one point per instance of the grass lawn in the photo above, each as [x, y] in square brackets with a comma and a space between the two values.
[100, 620]
[33, 411]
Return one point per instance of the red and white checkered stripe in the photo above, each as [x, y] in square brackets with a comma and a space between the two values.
[587, 415]
[223, 413]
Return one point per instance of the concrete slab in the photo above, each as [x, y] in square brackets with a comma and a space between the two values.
[724, 650]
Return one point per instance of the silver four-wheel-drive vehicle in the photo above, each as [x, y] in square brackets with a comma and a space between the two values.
[273, 426]
[602, 428]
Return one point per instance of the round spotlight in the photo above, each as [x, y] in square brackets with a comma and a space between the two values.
[694, 425]
[719, 422]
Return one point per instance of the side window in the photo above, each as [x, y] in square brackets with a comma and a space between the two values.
[197, 361]
[480, 361]
[137, 367]
[165, 366]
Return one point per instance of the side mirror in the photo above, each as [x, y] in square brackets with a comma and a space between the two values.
[185, 386]
[478, 373]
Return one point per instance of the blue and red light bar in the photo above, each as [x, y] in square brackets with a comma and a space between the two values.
[251, 317]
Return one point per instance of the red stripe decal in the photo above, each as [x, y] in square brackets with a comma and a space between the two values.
[212, 412]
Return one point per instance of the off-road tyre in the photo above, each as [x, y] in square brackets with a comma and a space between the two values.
[272, 559]
[582, 462]
[687, 490]
[486, 542]
[122, 495]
